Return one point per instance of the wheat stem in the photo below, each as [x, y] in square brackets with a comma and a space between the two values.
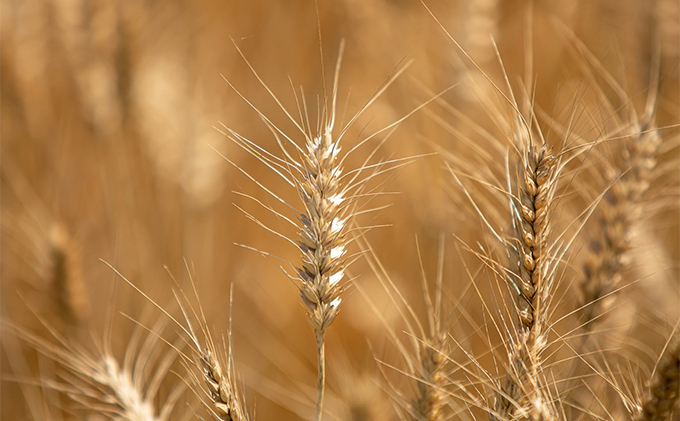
[321, 370]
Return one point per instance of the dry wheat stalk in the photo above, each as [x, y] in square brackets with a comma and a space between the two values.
[663, 397]
[521, 395]
[619, 211]
[330, 200]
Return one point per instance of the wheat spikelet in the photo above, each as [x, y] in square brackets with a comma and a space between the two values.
[619, 210]
[663, 397]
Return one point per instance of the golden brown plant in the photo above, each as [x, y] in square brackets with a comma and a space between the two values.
[107, 112]
[522, 395]
[662, 399]
[620, 210]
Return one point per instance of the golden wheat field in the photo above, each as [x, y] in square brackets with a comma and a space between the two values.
[341, 210]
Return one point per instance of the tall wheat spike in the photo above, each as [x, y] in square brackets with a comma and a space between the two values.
[331, 200]
[620, 210]
[212, 375]
[426, 361]
[531, 210]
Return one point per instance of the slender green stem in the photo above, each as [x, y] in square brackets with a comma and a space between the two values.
[321, 386]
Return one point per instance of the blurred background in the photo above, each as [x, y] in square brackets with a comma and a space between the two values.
[111, 152]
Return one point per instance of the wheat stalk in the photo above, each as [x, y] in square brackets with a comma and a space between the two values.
[330, 200]
[619, 211]
[521, 394]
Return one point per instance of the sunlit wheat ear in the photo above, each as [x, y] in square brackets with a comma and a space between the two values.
[534, 257]
[431, 361]
[662, 399]
[214, 377]
[101, 385]
[211, 367]
[531, 211]
[619, 211]
[531, 275]
[331, 198]
[425, 359]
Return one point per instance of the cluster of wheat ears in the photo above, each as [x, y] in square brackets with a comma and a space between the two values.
[555, 289]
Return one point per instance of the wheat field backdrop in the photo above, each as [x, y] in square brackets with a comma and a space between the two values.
[340, 210]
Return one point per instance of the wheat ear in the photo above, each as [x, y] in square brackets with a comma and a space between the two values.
[322, 241]
[428, 402]
[329, 198]
[619, 211]
[521, 395]
[67, 283]
[212, 376]
[431, 373]
[216, 378]
[663, 396]
[101, 385]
